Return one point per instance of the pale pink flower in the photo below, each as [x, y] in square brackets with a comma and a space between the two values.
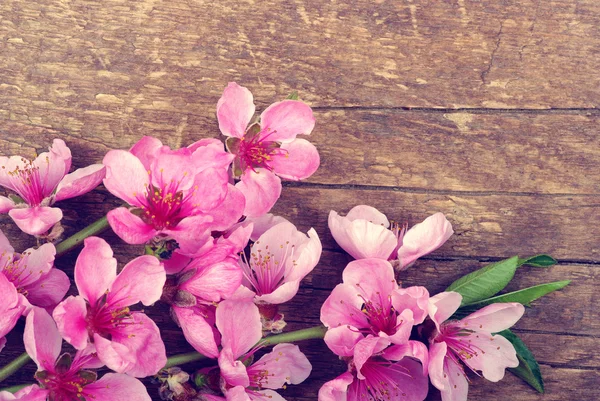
[381, 377]
[469, 340]
[368, 311]
[126, 341]
[41, 182]
[268, 149]
[180, 194]
[66, 378]
[280, 258]
[366, 233]
[239, 324]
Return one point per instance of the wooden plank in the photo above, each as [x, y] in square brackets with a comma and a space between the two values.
[68, 63]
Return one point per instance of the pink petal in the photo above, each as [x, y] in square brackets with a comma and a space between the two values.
[141, 280]
[283, 293]
[145, 351]
[210, 188]
[424, 238]
[282, 121]
[70, 317]
[443, 305]
[146, 149]
[237, 393]
[210, 152]
[197, 331]
[176, 263]
[7, 166]
[414, 298]
[437, 355]
[215, 282]
[41, 338]
[285, 364]
[38, 261]
[343, 307]
[300, 161]
[309, 253]
[129, 227]
[80, 181]
[126, 177]
[5, 245]
[361, 238]
[495, 317]
[53, 166]
[95, 269]
[116, 387]
[234, 110]
[262, 223]
[495, 354]
[29, 393]
[173, 166]
[404, 325]
[336, 389]
[341, 340]
[10, 307]
[49, 290]
[36, 220]
[371, 277]
[232, 371]
[261, 190]
[239, 324]
[404, 377]
[266, 395]
[413, 349]
[2, 343]
[229, 211]
[6, 204]
[458, 386]
[369, 213]
[192, 234]
[365, 349]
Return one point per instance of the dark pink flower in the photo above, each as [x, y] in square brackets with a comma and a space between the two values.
[40, 183]
[66, 378]
[180, 194]
[469, 340]
[126, 341]
[268, 149]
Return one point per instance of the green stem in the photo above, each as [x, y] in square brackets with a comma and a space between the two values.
[95, 228]
[298, 335]
[14, 389]
[15, 365]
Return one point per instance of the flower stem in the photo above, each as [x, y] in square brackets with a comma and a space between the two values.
[292, 336]
[15, 365]
[14, 389]
[95, 228]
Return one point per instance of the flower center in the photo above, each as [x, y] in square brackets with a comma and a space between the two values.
[27, 183]
[380, 313]
[16, 271]
[460, 343]
[255, 151]
[266, 270]
[104, 320]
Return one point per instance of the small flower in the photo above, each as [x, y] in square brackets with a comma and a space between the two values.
[67, 378]
[126, 341]
[365, 233]
[181, 194]
[268, 149]
[41, 182]
[469, 340]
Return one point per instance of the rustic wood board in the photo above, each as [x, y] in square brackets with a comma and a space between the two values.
[483, 110]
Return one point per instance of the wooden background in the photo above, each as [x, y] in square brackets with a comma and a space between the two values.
[483, 110]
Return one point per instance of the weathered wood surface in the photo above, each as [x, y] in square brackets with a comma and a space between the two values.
[516, 168]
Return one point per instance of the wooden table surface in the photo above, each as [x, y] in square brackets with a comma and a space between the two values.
[483, 110]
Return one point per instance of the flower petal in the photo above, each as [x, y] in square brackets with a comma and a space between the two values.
[495, 354]
[141, 280]
[341, 340]
[343, 307]
[458, 386]
[29, 393]
[336, 389]
[495, 317]
[95, 269]
[285, 364]
[215, 282]
[300, 161]
[309, 255]
[414, 298]
[42, 340]
[6, 204]
[146, 150]
[371, 277]
[209, 152]
[237, 393]
[365, 349]
[49, 290]
[424, 238]
[126, 177]
[80, 181]
[443, 305]
[38, 261]
[36, 220]
[283, 293]
[116, 387]
[232, 371]
[70, 317]
[239, 324]
[229, 211]
[437, 355]
[52, 166]
[10, 307]
[413, 349]
[129, 227]
[210, 188]
[197, 331]
[192, 234]
[234, 110]
[261, 188]
[369, 213]
[282, 121]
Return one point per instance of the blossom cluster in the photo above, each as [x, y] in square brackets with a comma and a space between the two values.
[223, 264]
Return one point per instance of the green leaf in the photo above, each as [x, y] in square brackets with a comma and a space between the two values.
[538, 261]
[485, 282]
[528, 368]
[524, 296]
[293, 96]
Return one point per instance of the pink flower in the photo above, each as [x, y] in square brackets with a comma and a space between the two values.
[368, 311]
[180, 194]
[268, 149]
[382, 377]
[126, 341]
[40, 183]
[469, 340]
[11, 308]
[240, 327]
[280, 258]
[64, 378]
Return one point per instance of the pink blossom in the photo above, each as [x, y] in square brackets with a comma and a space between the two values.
[126, 341]
[469, 340]
[280, 258]
[41, 182]
[268, 149]
[239, 324]
[379, 378]
[365, 233]
[66, 378]
[368, 312]
[179, 194]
